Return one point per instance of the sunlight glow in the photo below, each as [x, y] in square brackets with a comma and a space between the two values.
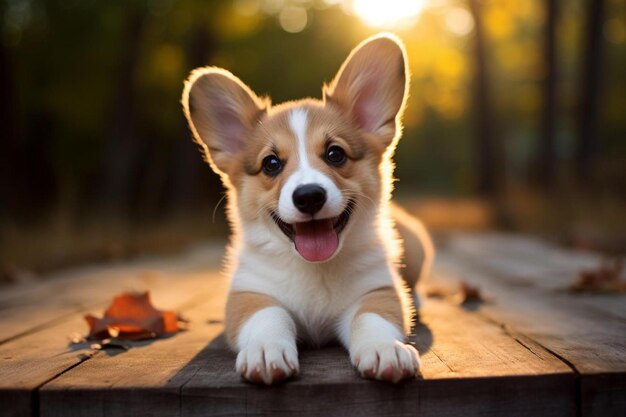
[459, 21]
[385, 13]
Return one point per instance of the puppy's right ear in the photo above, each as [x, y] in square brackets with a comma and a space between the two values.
[221, 111]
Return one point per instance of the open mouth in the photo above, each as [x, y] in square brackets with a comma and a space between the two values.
[316, 240]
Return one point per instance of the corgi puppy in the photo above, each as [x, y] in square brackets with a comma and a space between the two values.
[314, 255]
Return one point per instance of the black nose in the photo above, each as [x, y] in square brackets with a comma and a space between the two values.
[309, 198]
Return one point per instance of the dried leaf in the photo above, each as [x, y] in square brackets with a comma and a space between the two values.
[132, 316]
[470, 293]
[604, 279]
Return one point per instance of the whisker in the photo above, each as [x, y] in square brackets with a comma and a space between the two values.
[216, 207]
[264, 207]
[355, 193]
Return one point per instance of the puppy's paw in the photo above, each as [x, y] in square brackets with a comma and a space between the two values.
[268, 363]
[386, 361]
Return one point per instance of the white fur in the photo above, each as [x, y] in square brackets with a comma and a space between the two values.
[266, 342]
[315, 302]
[306, 174]
[315, 294]
[320, 298]
[298, 121]
[377, 346]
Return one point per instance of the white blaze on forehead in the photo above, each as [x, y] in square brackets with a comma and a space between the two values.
[306, 174]
[298, 123]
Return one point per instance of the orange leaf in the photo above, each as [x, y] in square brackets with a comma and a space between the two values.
[606, 278]
[132, 316]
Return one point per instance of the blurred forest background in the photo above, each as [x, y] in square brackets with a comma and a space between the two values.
[516, 120]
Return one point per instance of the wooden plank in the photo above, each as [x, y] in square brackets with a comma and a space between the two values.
[460, 368]
[591, 339]
[519, 396]
[470, 368]
[527, 261]
[603, 394]
[472, 364]
[482, 349]
[32, 360]
[59, 301]
[29, 307]
[145, 380]
[16, 403]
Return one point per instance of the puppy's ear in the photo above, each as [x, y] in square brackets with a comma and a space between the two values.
[221, 111]
[372, 85]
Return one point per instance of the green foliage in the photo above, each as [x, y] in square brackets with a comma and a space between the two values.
[67, 62]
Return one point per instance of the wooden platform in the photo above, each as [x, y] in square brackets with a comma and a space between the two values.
[533, 350]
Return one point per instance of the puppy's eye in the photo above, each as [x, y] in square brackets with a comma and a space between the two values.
[272, 165]
[335, 155]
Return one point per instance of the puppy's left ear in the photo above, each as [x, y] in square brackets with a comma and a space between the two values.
[372, 86]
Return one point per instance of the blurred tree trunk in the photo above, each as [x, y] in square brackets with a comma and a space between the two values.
[547, 156]
[192, 182]
[590, 105]
[488, 158]
[8, 132]
[28, 185]
[123, 145]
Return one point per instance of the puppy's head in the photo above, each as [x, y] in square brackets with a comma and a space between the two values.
[302, 173]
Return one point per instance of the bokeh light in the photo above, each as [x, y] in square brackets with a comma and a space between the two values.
[293, 19]
[387, 13]
[459, 21]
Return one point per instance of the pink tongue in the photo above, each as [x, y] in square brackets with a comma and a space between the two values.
[316, 240]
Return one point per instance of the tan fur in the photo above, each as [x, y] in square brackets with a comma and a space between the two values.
[355, 177]
[386, 303]
[239, 307]
[392, 92]
[257, 193]
[211, 93]
[212, 96]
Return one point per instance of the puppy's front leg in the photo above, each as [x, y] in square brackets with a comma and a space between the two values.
[264, 335]
[372, 330]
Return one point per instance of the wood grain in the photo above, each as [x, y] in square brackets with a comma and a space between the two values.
[583, 332]
[471, 367]
[327, 385]
[34, 359]
[526, 261]
[533, 349]
[29, 307]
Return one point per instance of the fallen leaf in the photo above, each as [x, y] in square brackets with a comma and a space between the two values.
[112, 343]
[131, 316]
[463, 293]
[604, 279]
[470, 293]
